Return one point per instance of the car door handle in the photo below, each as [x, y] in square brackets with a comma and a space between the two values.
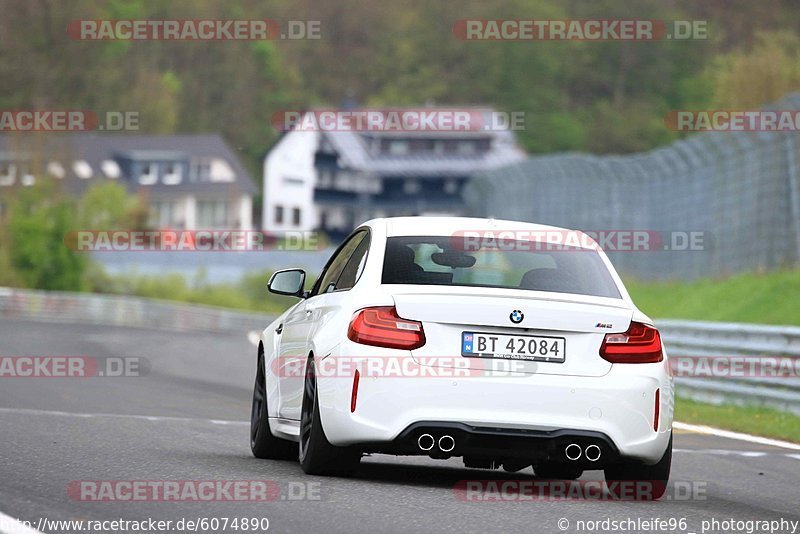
[279, 329]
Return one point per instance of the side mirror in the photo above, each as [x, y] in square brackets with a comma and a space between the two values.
[288, 282]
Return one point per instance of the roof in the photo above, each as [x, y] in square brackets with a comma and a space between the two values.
[454, 226]
[352, 148]
[95, 148]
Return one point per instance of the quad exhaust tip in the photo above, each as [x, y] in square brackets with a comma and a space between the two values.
[426, 442]
[592, 453]
[447, 443]
[573, 451]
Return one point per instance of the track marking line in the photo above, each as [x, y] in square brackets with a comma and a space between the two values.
[151, 418]
[723, 452]
[711, 431]
[10, 525]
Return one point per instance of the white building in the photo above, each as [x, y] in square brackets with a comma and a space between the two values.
[333, 180]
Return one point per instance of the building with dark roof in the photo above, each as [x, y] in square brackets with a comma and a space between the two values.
[332, 180]
[189, 181]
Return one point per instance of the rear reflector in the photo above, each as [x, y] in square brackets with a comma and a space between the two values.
[354, 394]
[657, 410]
[640, 344]
[382, 327]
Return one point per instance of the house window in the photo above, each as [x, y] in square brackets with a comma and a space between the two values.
[149, 174]
[221, 171]
[82, 169]
[7, 173]
[56, 169]
[296, 216]
[398, 148]
[110, 168]
[172, 174]
[278, 214]
[411, 187]
[200, 170]
[212, 214]
[466, 147]
[325, 178]
[163, 214]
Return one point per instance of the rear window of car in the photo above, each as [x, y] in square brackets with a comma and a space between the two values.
[443, 261]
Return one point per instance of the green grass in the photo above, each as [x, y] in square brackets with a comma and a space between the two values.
[249, 294]
[772, 298]
[749, 419]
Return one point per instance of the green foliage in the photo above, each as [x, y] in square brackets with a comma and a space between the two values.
[763, 73]
[605, 97]
[34, 249]
[37, 225]
[109, 206]
[746, 298]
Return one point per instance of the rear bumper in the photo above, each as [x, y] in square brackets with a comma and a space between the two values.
[517, 416]
[501, 444]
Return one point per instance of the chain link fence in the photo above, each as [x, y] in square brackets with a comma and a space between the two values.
[740, 190]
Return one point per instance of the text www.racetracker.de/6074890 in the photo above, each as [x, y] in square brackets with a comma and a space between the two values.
[97, 526]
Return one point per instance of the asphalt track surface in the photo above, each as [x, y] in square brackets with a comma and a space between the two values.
[186, 420]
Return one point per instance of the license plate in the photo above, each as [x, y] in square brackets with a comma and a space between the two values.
[502, 346]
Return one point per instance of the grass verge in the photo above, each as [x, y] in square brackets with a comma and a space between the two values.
[746, 298]
[756, 420]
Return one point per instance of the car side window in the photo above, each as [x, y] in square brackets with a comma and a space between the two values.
[352, 271]
[336, 265]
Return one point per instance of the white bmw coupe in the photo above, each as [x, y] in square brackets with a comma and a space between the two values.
[507, 344]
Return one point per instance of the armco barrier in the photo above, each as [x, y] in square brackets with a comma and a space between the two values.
[116, 310]
[682, 338]
[705, 338]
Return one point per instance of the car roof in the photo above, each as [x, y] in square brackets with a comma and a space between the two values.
[449, 226]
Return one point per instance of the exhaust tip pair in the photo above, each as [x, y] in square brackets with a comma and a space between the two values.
[427, 442]
[573, 452]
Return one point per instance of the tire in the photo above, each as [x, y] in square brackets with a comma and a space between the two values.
[557, 472]
[262, 442]
[316, 454]
[657, 475]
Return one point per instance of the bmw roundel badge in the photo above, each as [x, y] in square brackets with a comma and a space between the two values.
[516, 316]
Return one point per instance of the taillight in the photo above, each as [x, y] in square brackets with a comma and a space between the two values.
[382, 327]
[640, 344]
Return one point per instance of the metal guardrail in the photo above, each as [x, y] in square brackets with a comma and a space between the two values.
[684, 339]
[117, 310]
[749, 344]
